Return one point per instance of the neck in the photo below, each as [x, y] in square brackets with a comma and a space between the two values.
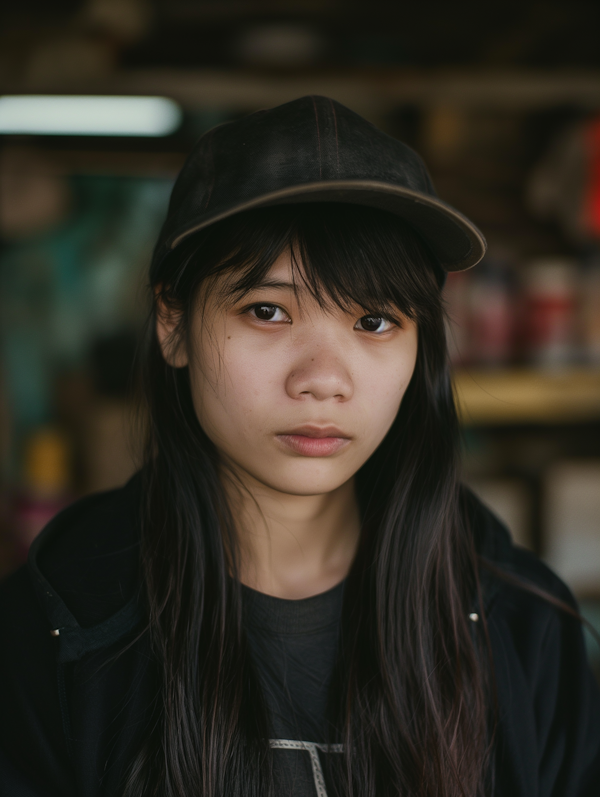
[293, 546]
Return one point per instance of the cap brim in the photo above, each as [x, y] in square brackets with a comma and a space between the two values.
[455, 240]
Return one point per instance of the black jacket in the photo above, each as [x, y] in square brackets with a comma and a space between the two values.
[70, 717]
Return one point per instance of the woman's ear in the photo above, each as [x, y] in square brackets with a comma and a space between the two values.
[167, 320]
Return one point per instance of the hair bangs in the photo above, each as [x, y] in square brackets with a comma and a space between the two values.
[342, 255]
[353, 255]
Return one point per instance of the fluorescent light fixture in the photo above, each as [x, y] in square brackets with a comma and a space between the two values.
[52, 115]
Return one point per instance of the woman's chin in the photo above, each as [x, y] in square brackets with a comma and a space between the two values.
[305, 478]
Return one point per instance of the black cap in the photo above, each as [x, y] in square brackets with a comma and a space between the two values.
[312, 149]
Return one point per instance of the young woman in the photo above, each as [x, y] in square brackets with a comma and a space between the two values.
[295, 595]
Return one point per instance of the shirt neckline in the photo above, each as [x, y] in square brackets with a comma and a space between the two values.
[285, 616]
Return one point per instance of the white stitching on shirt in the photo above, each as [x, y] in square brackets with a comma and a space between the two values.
[311, 748]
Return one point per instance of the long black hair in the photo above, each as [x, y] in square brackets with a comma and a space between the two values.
[410, 699]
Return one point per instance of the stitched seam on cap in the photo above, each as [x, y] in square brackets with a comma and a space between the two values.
[212, 180]
[318, 133]
[337, 150]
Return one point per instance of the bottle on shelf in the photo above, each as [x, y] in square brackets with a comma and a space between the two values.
[45, 485]
[549, 305]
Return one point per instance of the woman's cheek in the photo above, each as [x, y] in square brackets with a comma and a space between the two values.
[390, 394]
[249, 390]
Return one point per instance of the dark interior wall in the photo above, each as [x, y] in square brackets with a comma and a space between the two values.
[429, 34]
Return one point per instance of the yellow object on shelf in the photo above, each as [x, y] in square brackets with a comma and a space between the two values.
[46, 463]
[525, 395]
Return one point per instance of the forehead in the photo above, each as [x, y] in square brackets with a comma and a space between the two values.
[286, 274]
[283, 267]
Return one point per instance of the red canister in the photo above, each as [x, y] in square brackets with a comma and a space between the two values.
[549, 306]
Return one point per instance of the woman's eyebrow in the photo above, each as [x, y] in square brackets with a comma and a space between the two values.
[277, 285]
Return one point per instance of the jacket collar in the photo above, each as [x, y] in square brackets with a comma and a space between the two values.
[75, 640]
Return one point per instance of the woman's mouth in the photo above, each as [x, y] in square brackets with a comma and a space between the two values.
[313, 441]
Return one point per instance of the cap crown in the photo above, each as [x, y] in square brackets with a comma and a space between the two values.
[310, 149]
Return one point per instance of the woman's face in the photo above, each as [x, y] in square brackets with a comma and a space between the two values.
[294, 396]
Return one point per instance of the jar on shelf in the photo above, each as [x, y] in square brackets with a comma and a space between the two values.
[45, 485]
[492, 312]
[590, 311]
[549, 306]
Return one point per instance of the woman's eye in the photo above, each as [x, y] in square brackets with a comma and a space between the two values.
[268, 312]
[373, 323]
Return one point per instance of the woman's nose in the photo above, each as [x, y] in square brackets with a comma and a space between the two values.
[320, 373]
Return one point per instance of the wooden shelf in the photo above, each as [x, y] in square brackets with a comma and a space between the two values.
[569, 395]
[367, 90]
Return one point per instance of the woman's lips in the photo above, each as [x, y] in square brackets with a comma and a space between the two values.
[309, 446]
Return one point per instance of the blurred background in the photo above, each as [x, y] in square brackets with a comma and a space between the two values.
[100, 100]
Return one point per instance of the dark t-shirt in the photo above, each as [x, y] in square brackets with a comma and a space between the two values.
[294, 645]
